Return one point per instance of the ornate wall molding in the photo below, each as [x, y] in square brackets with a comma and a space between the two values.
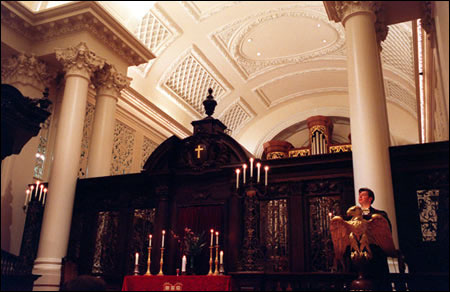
[26, 69]
[123, 148]
[229, 39]
[79, 60]
[196, 14]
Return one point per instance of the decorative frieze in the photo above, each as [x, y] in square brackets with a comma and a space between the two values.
[79, 60]
[25, 69]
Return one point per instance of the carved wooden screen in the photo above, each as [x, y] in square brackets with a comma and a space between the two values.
[274, 234]
[143, 225]
[106, 243]
[321, 209]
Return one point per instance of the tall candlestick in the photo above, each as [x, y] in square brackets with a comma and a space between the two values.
[183, 264]
[212, 232]
[162, 244]
[217, 237]
[149, 240]
[237, 178]
[31, 192]
[137, 259]
[26, 197]
[244, 166]
[221, 257]
[266, 169]
[45, 196]
[40, 192]
[258, 167]
[251, 167]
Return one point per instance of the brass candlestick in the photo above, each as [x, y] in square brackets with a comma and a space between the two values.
[161, 262]
[148, 262]
[216, 271]
[136, 269]
[210, 260]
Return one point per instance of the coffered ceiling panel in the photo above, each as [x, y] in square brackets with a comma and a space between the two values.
[190, 77]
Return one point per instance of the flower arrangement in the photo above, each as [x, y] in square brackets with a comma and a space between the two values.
[190, 243]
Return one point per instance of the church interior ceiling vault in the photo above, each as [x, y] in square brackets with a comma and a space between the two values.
[271, 64]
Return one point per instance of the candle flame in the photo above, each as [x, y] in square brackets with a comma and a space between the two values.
[244, 166]
[238, 170]
[217, 232]
[45, 190]
[212, 230]
[163, 232]
[258, 164]
[266, 168]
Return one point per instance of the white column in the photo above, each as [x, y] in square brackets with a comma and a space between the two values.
[79, 64]
[109, 83]
[368, 114]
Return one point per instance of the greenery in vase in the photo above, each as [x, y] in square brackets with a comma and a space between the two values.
[191, 243]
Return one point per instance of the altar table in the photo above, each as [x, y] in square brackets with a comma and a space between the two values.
[176, 283]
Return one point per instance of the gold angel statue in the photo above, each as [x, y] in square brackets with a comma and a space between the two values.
[359, 233]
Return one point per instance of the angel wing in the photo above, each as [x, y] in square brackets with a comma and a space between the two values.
[380, 234]
[340, 231]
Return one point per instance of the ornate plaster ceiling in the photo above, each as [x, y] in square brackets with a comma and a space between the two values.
[272, 64]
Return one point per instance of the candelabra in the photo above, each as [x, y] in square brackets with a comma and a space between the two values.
[161, 262]
[210, 260]
[148, 262]
[216, 270]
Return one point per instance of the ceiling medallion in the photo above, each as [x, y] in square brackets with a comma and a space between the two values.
[236, 35]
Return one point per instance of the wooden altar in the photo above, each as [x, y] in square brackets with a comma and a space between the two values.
[268, 234]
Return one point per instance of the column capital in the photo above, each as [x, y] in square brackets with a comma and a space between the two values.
[340, 11]
[109, 81]
[27, 70]
[79, 60]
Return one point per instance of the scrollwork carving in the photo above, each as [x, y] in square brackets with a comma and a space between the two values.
[27, 69]
[109, 81]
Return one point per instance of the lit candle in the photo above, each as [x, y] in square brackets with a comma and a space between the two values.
[258, 166]
[212, 232]
[244, 171]
[266, 169]
[163, 232]
[136, 262]
[330, 215]
[26, 197]
[183, 264]
[251, 167]
[237, 177]
[149, 240]
[217, 237]
[221, 257]
[31, 192]
[45, 196]
[40, 192]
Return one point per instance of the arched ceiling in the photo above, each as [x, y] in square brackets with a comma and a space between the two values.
[271, 64]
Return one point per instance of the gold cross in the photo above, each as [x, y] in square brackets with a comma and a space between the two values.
[198, 149]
